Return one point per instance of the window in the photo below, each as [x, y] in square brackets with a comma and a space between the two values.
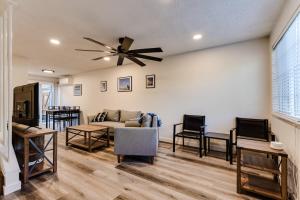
[286, 72]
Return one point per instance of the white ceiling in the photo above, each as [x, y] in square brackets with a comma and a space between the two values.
[169, 24]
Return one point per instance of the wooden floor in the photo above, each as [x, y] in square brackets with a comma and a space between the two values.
[97, 176]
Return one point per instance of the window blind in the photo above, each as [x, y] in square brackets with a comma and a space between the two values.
[286, 72]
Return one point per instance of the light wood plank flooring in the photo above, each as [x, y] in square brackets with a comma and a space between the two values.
[97, 176]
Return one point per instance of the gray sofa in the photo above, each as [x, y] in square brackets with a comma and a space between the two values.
[136, 141]
[131, 137]
[118, 119]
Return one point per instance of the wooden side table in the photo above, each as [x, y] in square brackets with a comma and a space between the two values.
[36, 152]
[253, 155]
[87, 140]
[219, 136]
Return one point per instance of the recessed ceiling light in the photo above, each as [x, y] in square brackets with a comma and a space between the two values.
[48, 71]
[197, 37]
[54, 41]
[106, 58]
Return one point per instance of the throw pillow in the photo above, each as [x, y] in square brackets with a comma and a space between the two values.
[112, 115]
[132, 123]
[146, 120]
[130, 115]
[100, 117]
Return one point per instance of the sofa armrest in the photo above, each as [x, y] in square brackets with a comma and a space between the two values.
[90, 118]
[155, 121]
[136, 141]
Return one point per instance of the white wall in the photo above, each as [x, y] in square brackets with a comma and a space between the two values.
[221, 83]
[285, 131]
[20, 71]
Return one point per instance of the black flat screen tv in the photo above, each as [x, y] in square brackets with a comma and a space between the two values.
[26, 105]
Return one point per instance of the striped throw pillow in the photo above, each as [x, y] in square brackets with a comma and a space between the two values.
[100, 117]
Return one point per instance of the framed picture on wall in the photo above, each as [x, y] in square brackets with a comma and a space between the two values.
[150, 81]
[77, 90]
[103, 86]
[125, 84]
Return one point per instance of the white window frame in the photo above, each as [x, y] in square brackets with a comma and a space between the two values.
[291, 117]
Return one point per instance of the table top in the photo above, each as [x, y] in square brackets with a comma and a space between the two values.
[259, 146]
[87, 128]
[70, 110]
[222, 136]
[32, 132]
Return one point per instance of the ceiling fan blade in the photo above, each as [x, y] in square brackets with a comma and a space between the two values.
[147, 57]
[97, 42]
[104, 56]
[99, 58]
[126, 44]
[149, 50]
[120, 60]
[137, 61]
[92, 50]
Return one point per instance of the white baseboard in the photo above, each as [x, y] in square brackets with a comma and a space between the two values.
[7, 189]
[10, 169]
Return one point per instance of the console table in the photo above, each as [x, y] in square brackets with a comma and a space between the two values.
[30, 148]
[260, 157]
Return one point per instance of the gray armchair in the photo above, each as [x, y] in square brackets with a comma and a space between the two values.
[138, 141]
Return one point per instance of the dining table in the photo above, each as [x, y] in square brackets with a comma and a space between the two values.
[67, 114]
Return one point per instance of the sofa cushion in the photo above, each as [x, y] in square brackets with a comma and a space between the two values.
[112, 115]
[130, 115]
[109, 124]
[99, 117]
[146, 120]
[132, 123]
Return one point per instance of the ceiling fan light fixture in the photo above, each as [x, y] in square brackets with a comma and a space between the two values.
[197, 37]
[48, 71]
[106, 58]
[54, 41]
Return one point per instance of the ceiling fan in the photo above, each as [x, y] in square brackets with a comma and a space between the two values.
[123, 51]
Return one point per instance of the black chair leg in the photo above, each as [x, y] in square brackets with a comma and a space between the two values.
[174, 140]
[230, 148]
[227, 148]
[182, 141]
[205, 146]
[200, 146]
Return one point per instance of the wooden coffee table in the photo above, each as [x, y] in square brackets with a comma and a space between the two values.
[87, 136]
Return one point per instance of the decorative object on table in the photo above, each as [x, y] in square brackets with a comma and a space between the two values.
[123, 51]
[125, 84]
[77, 91]
[193, 127]
[150, 81]
[277, 145]
[103, 86]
